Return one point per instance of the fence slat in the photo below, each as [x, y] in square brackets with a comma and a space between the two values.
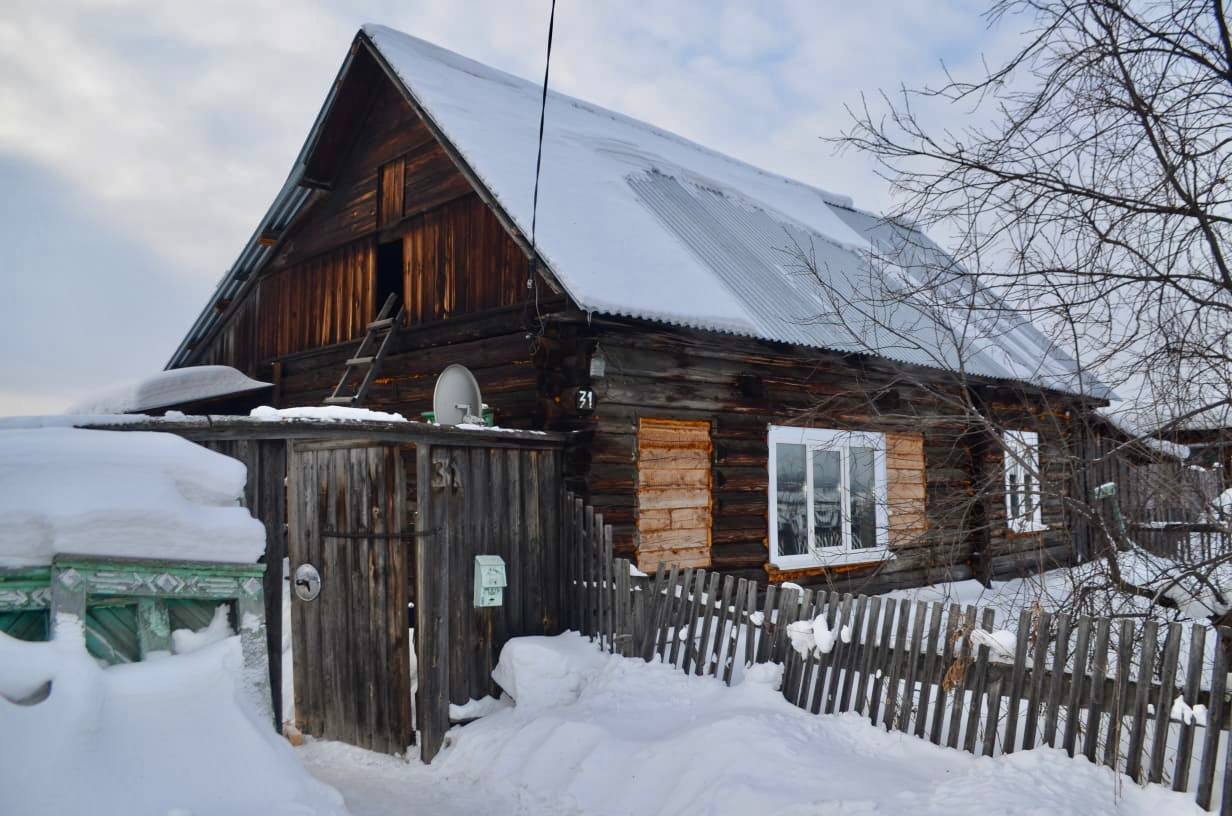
[1017, 677]
[609, 588]
[1069, 738]
[794, 683]
[1099, 669]
[1163, 706]
[588, 566]
[702, 661]
[1059, 659]
[931, 646]
[953, 622]
[851, 662]
[879, 662]
[963, 664]
[690, 643]
[1193, 684]
[978, 683]
[767, 621]
[868, 650]
[1125, 647]
[1214, 718]
[679, 615]
[842, 648]
[750, 631]
[1137, 723]
[823, 661]
[715, 658]
[912, 669]
[1039, 662]
[737, 624]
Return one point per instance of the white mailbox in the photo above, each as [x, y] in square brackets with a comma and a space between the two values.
[490, 580]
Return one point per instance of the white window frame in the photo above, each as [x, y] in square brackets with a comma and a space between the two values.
[1022, 482]
[824, 439]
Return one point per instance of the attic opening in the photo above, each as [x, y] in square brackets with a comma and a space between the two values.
[388, 272]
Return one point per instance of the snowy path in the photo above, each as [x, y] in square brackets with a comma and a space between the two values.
[600, 735]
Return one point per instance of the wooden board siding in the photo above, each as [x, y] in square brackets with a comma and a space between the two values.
[673, 492]
[459, 260]
[906, 488]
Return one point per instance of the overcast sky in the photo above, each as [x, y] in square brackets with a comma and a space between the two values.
[141, 142]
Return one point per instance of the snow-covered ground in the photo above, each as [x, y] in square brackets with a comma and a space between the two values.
[596, 734]
[172, 735]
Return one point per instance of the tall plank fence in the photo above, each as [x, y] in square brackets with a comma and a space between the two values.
[1101, 688]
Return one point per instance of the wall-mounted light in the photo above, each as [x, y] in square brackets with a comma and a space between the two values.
[598, 364]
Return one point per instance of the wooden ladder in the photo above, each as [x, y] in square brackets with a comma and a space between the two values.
[380, 332]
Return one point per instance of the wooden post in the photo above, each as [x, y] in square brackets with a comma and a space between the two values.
[432, 541]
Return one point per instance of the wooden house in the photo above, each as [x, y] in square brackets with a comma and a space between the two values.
[725, 409]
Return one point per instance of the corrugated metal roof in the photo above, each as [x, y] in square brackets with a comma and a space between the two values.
[639, 222]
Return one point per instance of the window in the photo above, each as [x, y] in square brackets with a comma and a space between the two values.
[1022, 485]
[827, 497]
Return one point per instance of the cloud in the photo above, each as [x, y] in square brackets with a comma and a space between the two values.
[156, 134]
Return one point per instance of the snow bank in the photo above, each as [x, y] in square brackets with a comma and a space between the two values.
[135, 494]
[174, 387]
[545, 672]
[327, 413]
[622, 736]
[176, 735]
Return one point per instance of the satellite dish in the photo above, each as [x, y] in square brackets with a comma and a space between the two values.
[456, 399]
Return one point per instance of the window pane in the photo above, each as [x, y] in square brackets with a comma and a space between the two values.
[827, 500]
[792, 499]
[863, 499]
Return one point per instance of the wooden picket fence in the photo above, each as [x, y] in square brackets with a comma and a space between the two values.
[1092, 686]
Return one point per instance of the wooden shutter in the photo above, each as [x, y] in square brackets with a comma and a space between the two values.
[673, 493]
[905, 487]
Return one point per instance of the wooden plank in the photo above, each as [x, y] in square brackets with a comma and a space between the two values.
[868, 650]
[739, 618]
[1099, 670]
[897, 658]
[1138, 716]
[952, 624]
[689, 648]
[1215, 716]
[666, 613]
[1120, 693]
[1074, 707]
[701, 662]
[819, 664]
[654, 613]
[1193, 685]
[1059, 661]
[1017, 676]
[837, 669]
[750, 630]
[793, 662]
[879, 662]
[962, 659]
[681, 616]
[1163, 705]
[789, 610]
[851, 662]
[432, 593]
[608, 587]
[912, 674]
[724, 602]
[767, 623]
[1035, 696]
[978, 684]
[588, 569]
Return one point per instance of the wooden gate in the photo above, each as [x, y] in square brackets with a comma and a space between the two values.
[389, 523]
[349, 518]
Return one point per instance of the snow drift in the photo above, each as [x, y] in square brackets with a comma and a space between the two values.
[171, 735]
[174, 387]
[116, 493]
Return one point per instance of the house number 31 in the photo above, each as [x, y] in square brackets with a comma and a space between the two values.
[585, 400]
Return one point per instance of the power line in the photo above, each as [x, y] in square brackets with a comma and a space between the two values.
[531, 283]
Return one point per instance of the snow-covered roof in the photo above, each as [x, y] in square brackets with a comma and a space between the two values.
[120, 494]
[176, 386]
[636, 221]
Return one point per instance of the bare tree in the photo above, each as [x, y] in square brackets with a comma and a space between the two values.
[1090, 190]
